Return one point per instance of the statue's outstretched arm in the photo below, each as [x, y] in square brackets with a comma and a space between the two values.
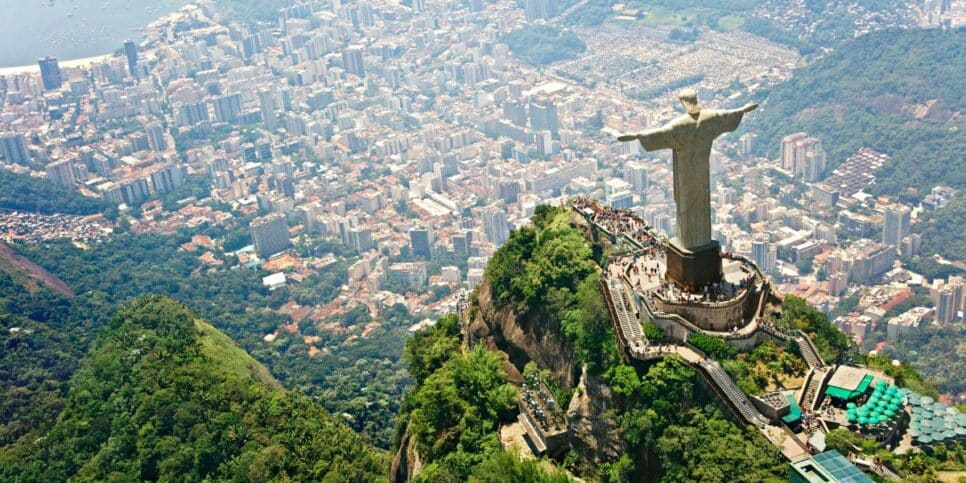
[726, 120]
[651, 139]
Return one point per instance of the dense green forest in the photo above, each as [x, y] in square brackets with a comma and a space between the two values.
[547, 271]
[832, 344]
[543, 44]
[945, 231]
[24, 193]
[867, 93]
[662, 412]
[454, 411]
[365, 378]
[163, 395]
[937, 352]
[43, 337]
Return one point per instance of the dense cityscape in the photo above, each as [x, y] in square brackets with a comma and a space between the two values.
[394, 148]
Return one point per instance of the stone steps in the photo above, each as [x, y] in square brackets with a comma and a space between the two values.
[733, 393]
[811, 391]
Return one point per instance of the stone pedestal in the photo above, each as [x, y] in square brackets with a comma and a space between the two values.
[697, 267]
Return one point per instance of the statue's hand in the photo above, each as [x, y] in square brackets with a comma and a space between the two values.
[751, 106]
[628, 137]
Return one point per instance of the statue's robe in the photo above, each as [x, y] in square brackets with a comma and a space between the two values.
[690, 138]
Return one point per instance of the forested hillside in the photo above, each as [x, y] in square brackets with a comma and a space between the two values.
[547, 272]
[163, 395]
[364, 378]
[22, 193]
[900, 92]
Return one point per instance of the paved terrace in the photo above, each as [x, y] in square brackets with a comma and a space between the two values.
[644, 269]
[642, 272]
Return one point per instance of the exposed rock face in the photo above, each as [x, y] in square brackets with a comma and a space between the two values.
[522, 338]
[406, 463]
[593, 435]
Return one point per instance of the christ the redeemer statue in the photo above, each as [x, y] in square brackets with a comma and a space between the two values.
[690, 137]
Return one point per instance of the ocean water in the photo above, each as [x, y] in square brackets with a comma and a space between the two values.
[73, 29]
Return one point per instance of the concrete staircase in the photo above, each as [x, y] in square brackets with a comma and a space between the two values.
[731, 391]
[811, 393]
[630, 327]
[809, 351]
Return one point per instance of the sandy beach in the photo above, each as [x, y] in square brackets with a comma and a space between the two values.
[64, 64]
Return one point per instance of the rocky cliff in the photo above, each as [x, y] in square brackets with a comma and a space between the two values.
[406, 463]
[594, 437]
[522, 339]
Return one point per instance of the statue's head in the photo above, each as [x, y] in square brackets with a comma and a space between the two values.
[689, 98]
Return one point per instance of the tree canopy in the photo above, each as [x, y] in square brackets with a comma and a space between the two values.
[896, 91]
[543, 44]
[20, 192]
[165, 395]
[455, 410]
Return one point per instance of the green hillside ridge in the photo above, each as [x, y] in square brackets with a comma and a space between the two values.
[900, 92]
[163, 396]
[229, 357]
[364, 378]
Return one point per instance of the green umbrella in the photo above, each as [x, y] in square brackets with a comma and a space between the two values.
[863, 420]
[925, 439]
[914, 433]
[851, 417]
[850, 405]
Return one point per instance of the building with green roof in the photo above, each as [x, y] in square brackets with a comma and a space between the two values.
[794, 411]
[849, 383]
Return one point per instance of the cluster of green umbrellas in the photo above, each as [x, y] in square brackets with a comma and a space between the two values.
[934, 422]
[884, 403]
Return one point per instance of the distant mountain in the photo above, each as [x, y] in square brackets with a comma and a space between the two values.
[164, 395]
[900, 92]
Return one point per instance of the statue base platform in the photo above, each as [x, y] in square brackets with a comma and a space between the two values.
[696, 267]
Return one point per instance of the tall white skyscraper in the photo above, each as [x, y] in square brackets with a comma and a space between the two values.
[895, 225]
[495, 225]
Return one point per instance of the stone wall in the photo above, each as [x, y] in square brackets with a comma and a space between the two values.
[716, 316]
